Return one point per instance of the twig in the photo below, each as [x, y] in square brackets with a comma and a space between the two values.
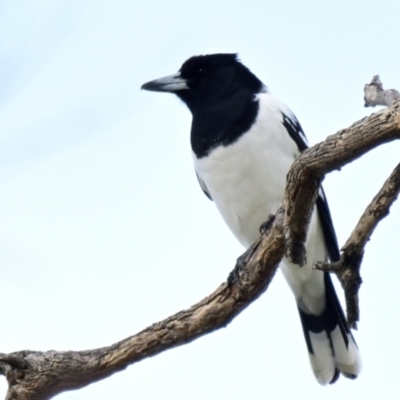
[348, 268]
[374, 95]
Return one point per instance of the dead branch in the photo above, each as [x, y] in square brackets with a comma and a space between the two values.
[35, 375]
[374, 95]
[310, 168]
[348, 268]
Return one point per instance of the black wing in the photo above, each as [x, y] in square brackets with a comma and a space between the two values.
[327, 227]
[295, 131]
[204, 187]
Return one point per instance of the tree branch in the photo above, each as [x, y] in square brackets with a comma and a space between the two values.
[348, 268]
[310, 168]
[34, 375]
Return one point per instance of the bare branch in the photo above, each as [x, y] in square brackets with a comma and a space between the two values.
[41, 375]
[36, 375]
[348, 268]
[313, 164]
[374, 213]
[374, 95]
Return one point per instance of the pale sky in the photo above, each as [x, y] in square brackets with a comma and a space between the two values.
[103, 227]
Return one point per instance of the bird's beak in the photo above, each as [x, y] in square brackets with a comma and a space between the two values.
[170, 83]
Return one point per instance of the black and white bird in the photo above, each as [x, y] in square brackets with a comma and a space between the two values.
[244, 141]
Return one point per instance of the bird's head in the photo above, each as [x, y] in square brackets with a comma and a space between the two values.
[205, 80]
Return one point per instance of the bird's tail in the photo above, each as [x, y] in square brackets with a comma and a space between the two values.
[331, 346]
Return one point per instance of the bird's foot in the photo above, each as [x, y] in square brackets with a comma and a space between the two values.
[236, 276]
[241, 262]
[266, 226]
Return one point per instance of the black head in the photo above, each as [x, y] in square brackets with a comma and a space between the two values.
[205, 80]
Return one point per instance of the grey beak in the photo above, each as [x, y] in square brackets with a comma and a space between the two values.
[170, 83]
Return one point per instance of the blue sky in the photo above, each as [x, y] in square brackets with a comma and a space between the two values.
[103, 228]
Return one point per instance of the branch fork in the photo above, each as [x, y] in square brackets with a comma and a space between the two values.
[36, 375]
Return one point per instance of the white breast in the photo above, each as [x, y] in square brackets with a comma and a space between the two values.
[247, 179]
[247, 182]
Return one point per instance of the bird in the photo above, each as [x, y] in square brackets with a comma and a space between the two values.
[244, 141]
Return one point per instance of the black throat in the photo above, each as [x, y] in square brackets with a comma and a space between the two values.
[222, 123]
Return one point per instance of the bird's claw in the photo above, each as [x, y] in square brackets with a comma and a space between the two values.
[266, 226]
[240, 267]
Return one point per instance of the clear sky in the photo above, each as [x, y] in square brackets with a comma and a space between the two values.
[103, 228]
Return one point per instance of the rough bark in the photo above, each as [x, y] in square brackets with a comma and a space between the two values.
[310, 168]
[348, 268]
[375, 95]
[36, 375]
